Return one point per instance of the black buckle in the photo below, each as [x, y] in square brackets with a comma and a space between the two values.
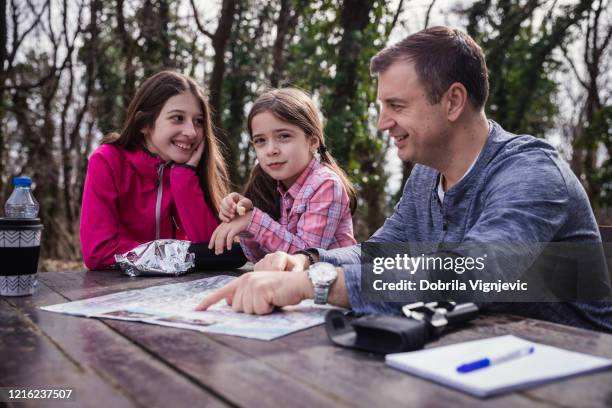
[394, 334]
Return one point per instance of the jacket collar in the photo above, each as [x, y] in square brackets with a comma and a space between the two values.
[144, 162]
[496, 139]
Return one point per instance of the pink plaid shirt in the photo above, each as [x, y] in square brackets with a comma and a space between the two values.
[315, 213]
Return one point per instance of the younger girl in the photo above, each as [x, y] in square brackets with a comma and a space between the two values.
[297, 196]
[163, 176]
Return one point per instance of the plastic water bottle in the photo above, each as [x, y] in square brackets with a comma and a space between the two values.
[21, 203]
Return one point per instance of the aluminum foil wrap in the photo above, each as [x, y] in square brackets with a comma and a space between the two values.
[159, 257]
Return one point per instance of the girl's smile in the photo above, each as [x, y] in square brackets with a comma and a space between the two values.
[183, 146]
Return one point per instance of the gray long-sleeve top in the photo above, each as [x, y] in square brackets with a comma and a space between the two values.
[519, 190]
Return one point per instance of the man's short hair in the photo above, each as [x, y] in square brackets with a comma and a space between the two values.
[441, 57]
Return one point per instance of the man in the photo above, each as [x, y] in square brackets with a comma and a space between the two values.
[473, 183]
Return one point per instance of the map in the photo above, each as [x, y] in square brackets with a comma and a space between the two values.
[173, 305]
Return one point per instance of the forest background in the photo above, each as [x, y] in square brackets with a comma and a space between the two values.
[68, 69]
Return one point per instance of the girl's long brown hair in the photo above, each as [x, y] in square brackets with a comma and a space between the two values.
[144, 110]
[293, 106]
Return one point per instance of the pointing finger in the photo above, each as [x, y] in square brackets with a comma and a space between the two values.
[221, 293]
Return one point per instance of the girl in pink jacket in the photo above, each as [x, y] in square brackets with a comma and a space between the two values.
[163, 176]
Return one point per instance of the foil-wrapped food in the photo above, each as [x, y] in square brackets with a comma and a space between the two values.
[159, 257]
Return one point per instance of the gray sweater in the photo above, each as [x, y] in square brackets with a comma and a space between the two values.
[519, 190]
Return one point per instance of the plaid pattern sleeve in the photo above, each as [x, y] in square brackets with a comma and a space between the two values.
[316, 215]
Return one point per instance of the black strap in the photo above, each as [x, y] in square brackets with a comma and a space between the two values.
[309, 253]
[206, 260]
[376, 333]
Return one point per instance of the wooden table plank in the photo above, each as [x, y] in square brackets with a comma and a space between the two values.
[31, 360]
[360, 377]
[243, 380]
[141, 377]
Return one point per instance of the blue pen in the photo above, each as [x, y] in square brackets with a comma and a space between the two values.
[500, 358]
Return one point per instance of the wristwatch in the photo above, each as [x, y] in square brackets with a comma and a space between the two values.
[322, 275]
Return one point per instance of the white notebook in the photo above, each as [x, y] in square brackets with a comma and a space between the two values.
[544, 364]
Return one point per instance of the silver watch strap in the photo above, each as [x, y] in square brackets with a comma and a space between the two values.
[320, 294]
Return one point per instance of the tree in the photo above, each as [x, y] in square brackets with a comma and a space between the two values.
[592, 128]
[330, 58]
[519, 51]
[219, 44]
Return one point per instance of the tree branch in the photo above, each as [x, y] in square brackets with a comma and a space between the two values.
[573, 67]
[199, 23]
[395, 17]
[17, 40]
[431, 5]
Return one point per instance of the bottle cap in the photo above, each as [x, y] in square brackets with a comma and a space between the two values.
[22, 181]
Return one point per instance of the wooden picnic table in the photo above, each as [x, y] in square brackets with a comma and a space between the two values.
[111, 363]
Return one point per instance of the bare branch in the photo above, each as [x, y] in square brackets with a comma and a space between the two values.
[396, 15]
[608, 35]
[14, 39]
[596, 25]
[431, 5]
[54, 68]
[573, 67]
[51, 32]
[198, 23]
[64, 23]
[553, 7]
[587, 37]
[17, 40]
[2, 56]
[606, 41]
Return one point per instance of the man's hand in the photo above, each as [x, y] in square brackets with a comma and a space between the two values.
[282, 261]
[224, 234]
[260, 292]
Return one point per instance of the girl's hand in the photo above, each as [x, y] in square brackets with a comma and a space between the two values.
[234, 204]
[196, 155]
[224, 234]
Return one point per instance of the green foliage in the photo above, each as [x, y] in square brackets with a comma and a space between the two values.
[331, 60]
[519, 52]
[599, 130]
[246, 73]
[108, 106]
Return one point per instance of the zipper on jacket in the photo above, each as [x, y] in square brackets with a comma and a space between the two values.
[158, 202]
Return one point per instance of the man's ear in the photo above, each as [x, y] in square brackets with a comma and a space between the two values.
[456, 99]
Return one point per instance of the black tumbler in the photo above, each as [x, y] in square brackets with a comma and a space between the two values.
[19, 251]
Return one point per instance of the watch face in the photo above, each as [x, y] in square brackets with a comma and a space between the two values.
[322, 273]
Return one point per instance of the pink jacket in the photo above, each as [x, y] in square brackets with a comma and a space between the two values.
[125, 205]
